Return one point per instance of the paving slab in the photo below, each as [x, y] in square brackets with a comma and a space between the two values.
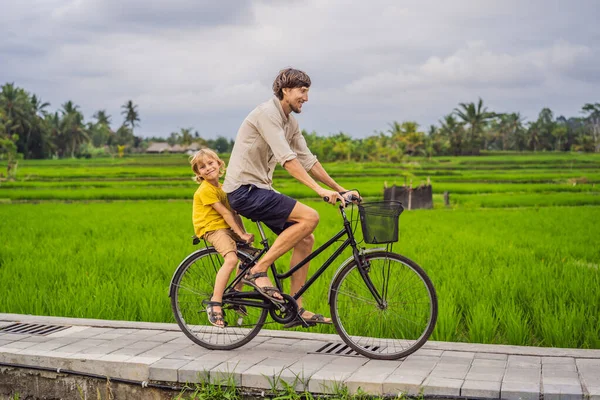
[160, 352]
[235, 367]
[267, 373]
[302, 371]
[522, 374]
[562, 392]
[198, 370]
[436, 386]
[166, 369]
[520, 390]
[592, 392]
[481, 389]
[397, 384]
[370, 377]
[333, 375]
[485, 373]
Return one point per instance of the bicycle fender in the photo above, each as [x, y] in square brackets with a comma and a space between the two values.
[346, 262]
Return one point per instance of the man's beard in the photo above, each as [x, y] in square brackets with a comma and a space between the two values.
[295, 108]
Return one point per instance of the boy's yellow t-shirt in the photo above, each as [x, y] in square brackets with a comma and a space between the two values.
[204, 216]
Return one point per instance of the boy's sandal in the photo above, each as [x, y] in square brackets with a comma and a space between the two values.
[266, 291]
[214, 316]
[312, 321]
[238, 308]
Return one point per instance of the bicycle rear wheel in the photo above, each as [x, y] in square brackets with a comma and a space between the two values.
[398, 325]
[192, 284]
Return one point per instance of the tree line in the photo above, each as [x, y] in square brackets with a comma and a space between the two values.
[467, 130]
[29, 130]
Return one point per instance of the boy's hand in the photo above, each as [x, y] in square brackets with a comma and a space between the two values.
[248, 237]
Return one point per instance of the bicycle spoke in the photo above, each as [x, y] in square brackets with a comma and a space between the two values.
[357, 297]
[193, 285]
[401, 323]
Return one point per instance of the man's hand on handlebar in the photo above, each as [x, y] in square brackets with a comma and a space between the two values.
[332, 197]
[346, 198]
[352, 196]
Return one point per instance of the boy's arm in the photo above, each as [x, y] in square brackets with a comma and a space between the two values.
[239, 221]
[232, 222]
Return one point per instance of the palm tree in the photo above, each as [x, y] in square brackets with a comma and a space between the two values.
[7, 145]
[508, 127]
[131, 114]
[533, 135]
[593, 118]
[476, 117]
[36, 139]
[72, 127]
[455, 133]
[15, 103]
[124, 136]
[342, 146]
[407, 136]
[52, 122]
[102, 117]
[546, 125]
[559, 132]
[186, 136]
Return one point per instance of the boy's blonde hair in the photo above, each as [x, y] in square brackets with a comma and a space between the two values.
[198, 159]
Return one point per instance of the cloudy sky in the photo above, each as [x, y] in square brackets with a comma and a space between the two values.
[206, 64]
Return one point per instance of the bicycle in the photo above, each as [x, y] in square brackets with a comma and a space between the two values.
[383, 305]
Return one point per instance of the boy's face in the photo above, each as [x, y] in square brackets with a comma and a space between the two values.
[295, 97]
[209, 169]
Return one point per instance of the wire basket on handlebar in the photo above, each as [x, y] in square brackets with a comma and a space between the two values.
[379, 221]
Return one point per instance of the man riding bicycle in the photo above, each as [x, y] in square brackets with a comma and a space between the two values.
[269, 135]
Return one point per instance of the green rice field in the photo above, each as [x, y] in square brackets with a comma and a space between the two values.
[515, 258]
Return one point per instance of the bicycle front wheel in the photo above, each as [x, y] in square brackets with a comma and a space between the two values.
[192, 286]
[396, 324]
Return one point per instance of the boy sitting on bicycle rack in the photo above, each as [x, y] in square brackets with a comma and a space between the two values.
[218, 225]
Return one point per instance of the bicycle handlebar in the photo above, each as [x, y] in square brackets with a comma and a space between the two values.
[350, 200]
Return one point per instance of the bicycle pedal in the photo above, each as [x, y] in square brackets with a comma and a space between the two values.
[306, 324]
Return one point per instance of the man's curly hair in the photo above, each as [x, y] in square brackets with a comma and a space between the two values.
[289, 78]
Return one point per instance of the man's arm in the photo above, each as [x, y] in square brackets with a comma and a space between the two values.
[319, 173]
[295, 169]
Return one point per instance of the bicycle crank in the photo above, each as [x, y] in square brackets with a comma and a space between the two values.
[286, 312]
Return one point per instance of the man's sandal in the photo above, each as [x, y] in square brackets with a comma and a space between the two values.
[307, 322]
[215, 316]
[266, 291]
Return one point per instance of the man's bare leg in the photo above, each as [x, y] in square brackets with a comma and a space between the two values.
[306, 220]
[301, 251]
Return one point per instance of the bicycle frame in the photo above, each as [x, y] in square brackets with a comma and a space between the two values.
[278, 278]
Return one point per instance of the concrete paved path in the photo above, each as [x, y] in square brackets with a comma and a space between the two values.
[161, 353]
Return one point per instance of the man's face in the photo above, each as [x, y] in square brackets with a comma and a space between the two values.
[295, 97]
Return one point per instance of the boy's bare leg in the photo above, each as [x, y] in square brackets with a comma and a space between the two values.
[238, 286]
[306, 221]
[222, 278]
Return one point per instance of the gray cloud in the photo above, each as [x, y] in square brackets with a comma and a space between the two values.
[206, 65]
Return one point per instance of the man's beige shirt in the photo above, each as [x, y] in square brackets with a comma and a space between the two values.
[266, 137]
